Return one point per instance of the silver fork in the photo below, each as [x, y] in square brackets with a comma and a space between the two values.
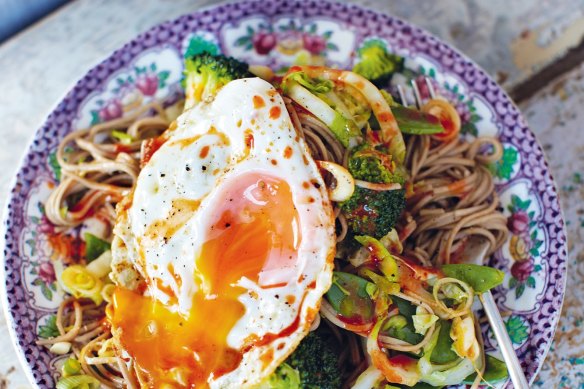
[417, 95]
[475, 252]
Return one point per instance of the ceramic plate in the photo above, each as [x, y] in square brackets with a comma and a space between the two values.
[278, 34]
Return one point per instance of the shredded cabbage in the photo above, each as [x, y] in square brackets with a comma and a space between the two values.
[391, 241]
[101, 266]
[464, 337]
[423, 320]
[442, 375]
[345, 131]
[370, 378]
[454, 292]
[315, 85]
[107, 348]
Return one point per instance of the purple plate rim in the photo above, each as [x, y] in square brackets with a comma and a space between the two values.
[274, 8]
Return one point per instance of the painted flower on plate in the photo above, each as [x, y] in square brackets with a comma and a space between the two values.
[313, 43]
[518, 222]
[112, 109]
[264, 42]
[524, 245]
[46, 272]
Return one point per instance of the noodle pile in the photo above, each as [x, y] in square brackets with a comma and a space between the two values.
[99, 166]
[452, 198]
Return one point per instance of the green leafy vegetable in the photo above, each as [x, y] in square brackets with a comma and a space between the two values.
[411, 121]
[495, 370]
[406, 333]
[381, 282]
[453, 292]
[480, 278]
[94, 246]
[344, 129]
[442, 374]
[397, 322]
[423, 385]
[350, 103]
[443, 352]
[350, 296]
[404, 307]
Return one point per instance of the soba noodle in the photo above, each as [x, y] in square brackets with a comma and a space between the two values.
[453, 199]
[98, 169]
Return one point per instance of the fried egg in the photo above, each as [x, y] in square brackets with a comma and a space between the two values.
[224, 248]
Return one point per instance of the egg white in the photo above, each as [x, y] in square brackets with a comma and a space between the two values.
[181, 170]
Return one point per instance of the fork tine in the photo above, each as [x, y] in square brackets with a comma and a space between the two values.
[430, 86]
[402, 95]
[417, 96]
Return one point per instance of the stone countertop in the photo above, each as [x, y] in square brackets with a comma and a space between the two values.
[511, 40]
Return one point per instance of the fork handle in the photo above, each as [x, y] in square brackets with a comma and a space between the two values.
[513, 365]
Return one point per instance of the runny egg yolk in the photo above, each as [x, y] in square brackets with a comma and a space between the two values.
[254, 234]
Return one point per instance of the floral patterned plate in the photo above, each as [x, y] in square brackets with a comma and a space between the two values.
[278, 34]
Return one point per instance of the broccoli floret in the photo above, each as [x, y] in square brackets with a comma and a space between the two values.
[315, 361]
[370, 164]
[206, 73]
[373, 213]
[376, 64]
[285, 377]
[370, 168]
